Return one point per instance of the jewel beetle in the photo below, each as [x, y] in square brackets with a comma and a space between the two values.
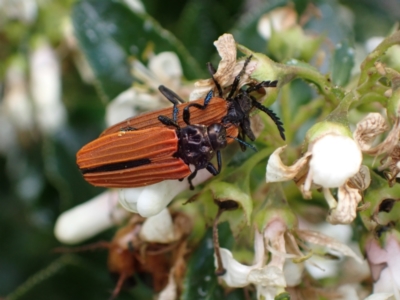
[135, 158]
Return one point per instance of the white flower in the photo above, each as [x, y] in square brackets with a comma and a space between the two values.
[286, 263]
[236, 274]
[385, 264]
[151, 200]
[381, 296]
[23, 10]
[279, 19]
[88, 219]
[163, 69]
[128, 104]
[268, 279]
[45, 86]
[16, 101]
[158, 228]
[332, 160]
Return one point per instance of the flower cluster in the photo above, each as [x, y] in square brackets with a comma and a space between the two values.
[334, 158]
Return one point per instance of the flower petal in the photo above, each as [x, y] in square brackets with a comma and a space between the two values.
[278, 19]
[381, 296]
[393, 249]
[45, 86]
[167, 67]
[170, 291]
[228, 68]
[158, 228]
[366, 136]
[318, 238]
[362, 179]
[293, 272]
[236, 273]
[151, 200]
[267, 276]
[368, 129]
[277, 171]
[129, 104]
[88, 219]
[375, 254]
[335, 158]
[226, 48]
[346, 209]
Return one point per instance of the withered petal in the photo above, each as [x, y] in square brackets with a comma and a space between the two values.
[346, 209]
[277, 171]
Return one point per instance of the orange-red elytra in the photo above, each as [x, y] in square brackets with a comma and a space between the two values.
[143, 157]
[132, 158]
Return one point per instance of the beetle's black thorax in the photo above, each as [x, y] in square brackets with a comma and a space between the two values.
[239, 109]
[239, 113]
[198, 143]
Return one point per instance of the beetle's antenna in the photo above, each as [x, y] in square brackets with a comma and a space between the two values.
[243, 143]
[273, 116]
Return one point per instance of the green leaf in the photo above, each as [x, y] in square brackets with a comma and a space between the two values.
[199, 26]
[109, 33]
[342, 63]
[200, 281]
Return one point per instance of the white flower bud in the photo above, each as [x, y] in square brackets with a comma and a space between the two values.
[335, 158]
[158, 228]
[151, 200]
[46, 89]
[88, 219]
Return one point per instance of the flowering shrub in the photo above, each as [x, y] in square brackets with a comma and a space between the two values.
[314, 216]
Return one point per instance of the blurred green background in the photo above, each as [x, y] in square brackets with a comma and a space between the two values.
[39, 178]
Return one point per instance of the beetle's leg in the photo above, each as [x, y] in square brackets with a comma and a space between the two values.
[190, 178]
[245, 125]
[173, 98]
[235, 83]
[212, 71]
[186, 111]
[210, 167]
[168, 121]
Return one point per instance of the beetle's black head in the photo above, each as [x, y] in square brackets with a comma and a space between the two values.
[217, 136]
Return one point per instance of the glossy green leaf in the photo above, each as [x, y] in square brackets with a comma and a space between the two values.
[342, 63]
[110, 33]
[199, 25]
[201, 282]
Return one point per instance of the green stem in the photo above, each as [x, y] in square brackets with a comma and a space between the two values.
[370, 98]
[370, 60]
[323, 83]
[340, 113]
